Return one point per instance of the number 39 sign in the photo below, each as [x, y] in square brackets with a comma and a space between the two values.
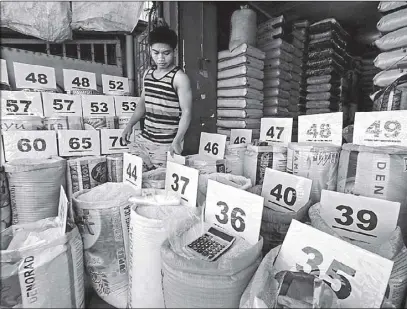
[358, 277]
[235, 210]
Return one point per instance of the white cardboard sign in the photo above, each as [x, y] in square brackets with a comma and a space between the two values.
[125, 106]
[381, 128]
[60, 104]
[212, 145]
[284, 192]
[361, 218]
[241, 136]
[29, 144]
[21, 103]
[234, 210]
[357, 276]
[115, 84]
[176, 158]
[112, 142]
[3, 72]
[98, 105]
[321, 128]
[76, 79]
[184, 181]
[34, 76]
[277, 130]
[78, 143]
[132, 170]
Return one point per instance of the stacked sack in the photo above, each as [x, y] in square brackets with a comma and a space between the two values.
[369, 71]
[239, 89]
[327, 63]
[393, 59]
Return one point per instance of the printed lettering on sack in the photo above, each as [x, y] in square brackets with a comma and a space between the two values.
[381, 174]
[29, 284]
[264, 160]
[125, 218]
[324, 158]
[89, 224]
[398, 279]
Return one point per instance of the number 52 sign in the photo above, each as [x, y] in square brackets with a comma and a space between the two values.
[358, 277]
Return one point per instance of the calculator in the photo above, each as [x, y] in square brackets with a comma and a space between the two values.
[210, 245]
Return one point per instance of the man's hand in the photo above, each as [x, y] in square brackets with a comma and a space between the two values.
[127, 133]
[176, 147]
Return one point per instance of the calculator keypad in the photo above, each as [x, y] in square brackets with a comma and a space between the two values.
[206, 246]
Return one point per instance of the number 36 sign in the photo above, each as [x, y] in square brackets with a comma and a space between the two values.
[358, 277]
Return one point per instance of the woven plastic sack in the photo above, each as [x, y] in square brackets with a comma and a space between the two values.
[242, 49]
[321, 63]
[234, 156]
[385, 78]
[205, 165]
[41, 268]
[102, 122]
[243, 28]
[320, 88]
[21, 123]
[322, 105]
[279, 53]
[277, 73]
[225, 131]
[322, 96]
[86, 173]
[239, 103]
[270, 111]
[270, 24]
[385, 6]
[393, 97]
[240, 113]
[238, 123]
[324, 71]
[242, 81]
[114, 164]
[326, 25]
[315, 161]
[265, 37]
[247, 93]
[193, 283]
[393, 21]
[240, 60]
[5, 205]
[326, 53]
[258, 158]
[277, 83]
[276, 92]
[154, 178]
[392, 59]
[314, 111]
[277, 64]
[278, 43]
[103, 217]
[146, 235]
[275, 101]
[392, 248]
[242, 70]
[64, 123]
[34, 187]
[393, 40]
[324, 79]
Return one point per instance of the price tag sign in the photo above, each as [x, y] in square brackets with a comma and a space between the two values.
[97, 105]
[234, 210]
[321, 128]
[59, 104]
[285, 192]
[78, 143]
[29, 144]
[358, 277]
[115, 84]
[112, 142]
[125, 106]
[366, 219]
[75, 79]
[212, 145]
[3, 72]
[132, 169]
[241, 136]
[381, 128]
[21, 103]
[277, 130]
[184, 181]
[34, 76]
[175, 158]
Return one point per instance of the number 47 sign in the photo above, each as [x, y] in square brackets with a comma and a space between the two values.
[358, 277]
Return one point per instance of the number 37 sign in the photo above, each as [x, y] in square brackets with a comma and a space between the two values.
[358, 277]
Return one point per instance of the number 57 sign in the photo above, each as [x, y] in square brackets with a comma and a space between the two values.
[358, 277]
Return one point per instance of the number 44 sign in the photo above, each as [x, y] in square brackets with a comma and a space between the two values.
[358, 277]
[132, 170]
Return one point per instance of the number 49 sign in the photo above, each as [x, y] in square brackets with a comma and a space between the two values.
[358, 277]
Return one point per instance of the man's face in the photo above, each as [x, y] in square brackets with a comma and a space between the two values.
[163, 55]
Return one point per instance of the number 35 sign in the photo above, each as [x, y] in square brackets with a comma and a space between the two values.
[358, 277]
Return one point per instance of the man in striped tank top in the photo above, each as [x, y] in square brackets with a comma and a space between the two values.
[166, 103]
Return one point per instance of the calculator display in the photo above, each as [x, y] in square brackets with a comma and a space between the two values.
[220, 234]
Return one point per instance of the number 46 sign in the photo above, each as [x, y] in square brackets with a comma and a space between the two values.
[358, 277]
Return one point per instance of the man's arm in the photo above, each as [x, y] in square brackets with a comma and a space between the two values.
[184, 91]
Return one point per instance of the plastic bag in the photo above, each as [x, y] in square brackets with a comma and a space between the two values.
[40, 268]
[240, 113]
[34, 186]
[393, 40]
[239, 103]
[242, 70]
[385, 78]
[393, 97]
[243, 28]
[154, 178]
[239, 123]
[242, 81]
[247, 93]
[243, 49]
[205, 165]
[240, 60]
[5, 205]
[392, 59]
[234, 155]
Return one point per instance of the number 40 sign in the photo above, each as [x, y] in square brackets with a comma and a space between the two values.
[358, 277]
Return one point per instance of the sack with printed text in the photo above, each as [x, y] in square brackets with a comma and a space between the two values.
[393, 97]
[5, 206]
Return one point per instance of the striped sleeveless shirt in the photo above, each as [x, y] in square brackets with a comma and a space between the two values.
[163, 111]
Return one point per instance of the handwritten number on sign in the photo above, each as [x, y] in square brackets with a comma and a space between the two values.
[12, 105]
[58, 106]
[132, 173]
[391, 127]
[126, 107]
[75, 144]
[121, 141]
[235, 218]
[270, 132]
[85, 82]
[112, 85]
[41, 78]
[94, 107]
[371, 221]
[342, 288]
[240, 141]
[24, 145]
[175, 185]
[214, 149]
[324, 130]
[276, 192]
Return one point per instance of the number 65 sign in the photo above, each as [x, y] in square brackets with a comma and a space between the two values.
[358, 277]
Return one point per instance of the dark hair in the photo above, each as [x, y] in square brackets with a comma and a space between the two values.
[163, 34]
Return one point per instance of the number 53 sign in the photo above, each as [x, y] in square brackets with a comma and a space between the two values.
[358, 277]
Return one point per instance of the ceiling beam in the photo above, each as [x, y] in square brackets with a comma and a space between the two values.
[257, 8]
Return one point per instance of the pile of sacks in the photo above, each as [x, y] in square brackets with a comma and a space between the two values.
[393, 59]
[327, 62]
[368, 72]
[240, 89]
[278, 68]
